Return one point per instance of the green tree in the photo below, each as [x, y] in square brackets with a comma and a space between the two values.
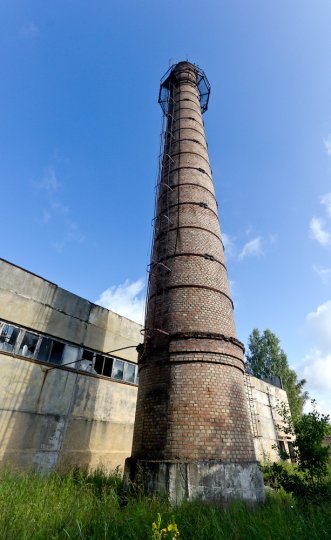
[266, 358]
[310, 432]
[308, 476]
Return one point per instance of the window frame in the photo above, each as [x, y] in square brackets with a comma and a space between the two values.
[80, 351]
[126, 365]
[22, 335]
[113, 370]
[18, 339]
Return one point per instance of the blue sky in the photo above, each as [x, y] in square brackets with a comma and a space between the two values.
[79, 138]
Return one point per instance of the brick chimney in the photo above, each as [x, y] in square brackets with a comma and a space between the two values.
[192, 435]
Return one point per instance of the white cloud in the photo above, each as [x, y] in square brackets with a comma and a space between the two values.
[316, 365]
[327, 144]
[323, 406]
[253, 248]
[29, 30]
[317, 370]
[326, 200]
[319, 325]
[126, 299]
[318, 233]
[323, 273]
[317, 226]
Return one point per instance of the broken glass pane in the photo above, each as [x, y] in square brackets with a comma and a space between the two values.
[87, 355]
[44, 349]
[28, 345]
[70, 356]
[108, 367]
[8, 337]
[98, 364]
[56, 353]
[86, 362]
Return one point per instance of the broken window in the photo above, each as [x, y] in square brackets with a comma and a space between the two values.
[108, 366]
[44, 349]
[103, 365]
[130, 371]
[87, 355]
[8, 337]
[86, 362]
[47, 349]
[51, 351]
[56, 352]
[118, 369]
[28, 345]
[70, 355]
[99, 363]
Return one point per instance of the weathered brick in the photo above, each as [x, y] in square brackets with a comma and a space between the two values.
[191, 399]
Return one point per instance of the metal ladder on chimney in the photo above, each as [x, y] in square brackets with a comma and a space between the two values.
[162, 222]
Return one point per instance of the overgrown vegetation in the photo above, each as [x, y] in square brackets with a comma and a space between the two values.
[78, 505]
[265, 359]
[308, 477]
[82, 506]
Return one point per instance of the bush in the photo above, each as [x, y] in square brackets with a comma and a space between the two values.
[309, 477]
[292, 480]
[312, 457]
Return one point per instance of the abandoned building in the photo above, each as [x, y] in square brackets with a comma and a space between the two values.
[65, 402]
[69, 396]
[64, 399]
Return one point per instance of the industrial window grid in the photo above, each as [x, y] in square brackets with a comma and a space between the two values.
[49, 350]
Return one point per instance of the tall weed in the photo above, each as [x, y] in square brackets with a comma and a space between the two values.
[80, 506]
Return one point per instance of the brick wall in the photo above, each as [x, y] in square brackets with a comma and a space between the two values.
[191, 399]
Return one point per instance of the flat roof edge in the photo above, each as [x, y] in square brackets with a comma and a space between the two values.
[66, 290]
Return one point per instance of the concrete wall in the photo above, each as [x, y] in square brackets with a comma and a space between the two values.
[61, 417]
[33, 302]
[263, 399]
[64, 418]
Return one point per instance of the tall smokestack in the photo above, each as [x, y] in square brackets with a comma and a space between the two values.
[192, 435]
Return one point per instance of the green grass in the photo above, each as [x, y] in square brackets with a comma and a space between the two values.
[81, 506]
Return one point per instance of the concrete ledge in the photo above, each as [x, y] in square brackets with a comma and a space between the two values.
[204, 480]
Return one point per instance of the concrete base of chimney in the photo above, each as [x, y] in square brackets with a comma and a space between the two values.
[204, 480]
